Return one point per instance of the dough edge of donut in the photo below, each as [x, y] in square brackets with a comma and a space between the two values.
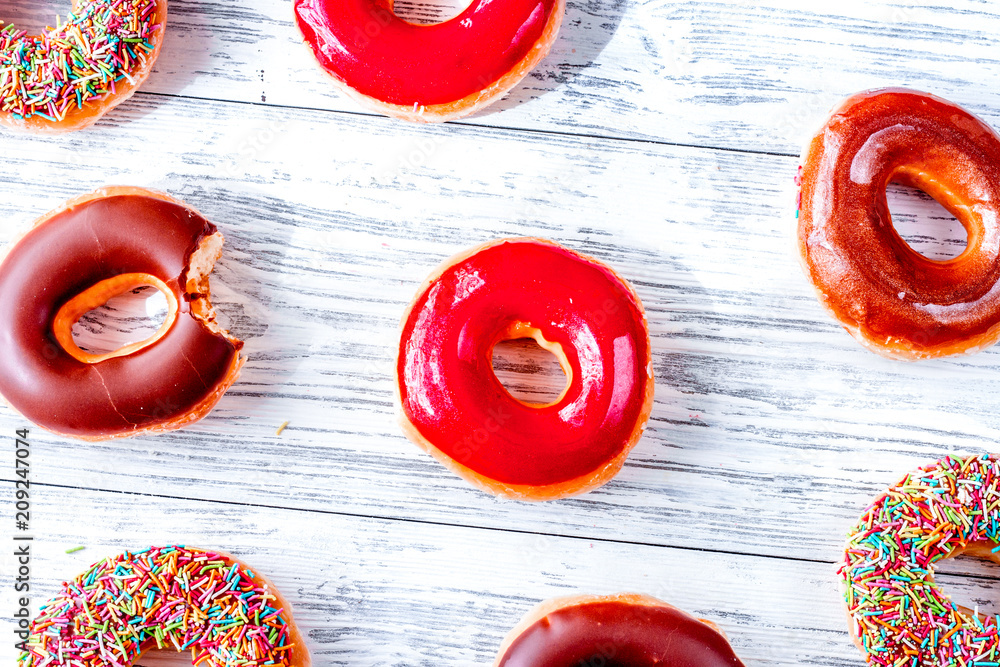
[543, 609]
[299, 655]
[92, 112]
[527, 492]
[896, 348]
[202, 262]
[468, 105]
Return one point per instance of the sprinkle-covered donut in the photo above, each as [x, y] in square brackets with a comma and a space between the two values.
[428, 73]
[68, 77]
[178, 597]
[454, 407]
[75, 259]
[891, 298]
[898, 614]
[627, 629]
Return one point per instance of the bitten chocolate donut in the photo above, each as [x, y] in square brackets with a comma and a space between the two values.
[70, 76]
[898, 614]
[73, 260]
[454, 407]
[428, 73]
[183, 598]
[628, 629]
[891, 298]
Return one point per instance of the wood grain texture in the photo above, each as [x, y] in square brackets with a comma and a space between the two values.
[377, 592]
[771, 426]
[659, 137]
[721, 73]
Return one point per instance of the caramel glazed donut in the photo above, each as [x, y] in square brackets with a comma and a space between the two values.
[428, 73]
[70, 76]
[454, 407]
[898, 614]
[891, 298]
[73, 260]
[626, 630]
[177, 597]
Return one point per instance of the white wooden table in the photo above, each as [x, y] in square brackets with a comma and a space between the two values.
[661, 137]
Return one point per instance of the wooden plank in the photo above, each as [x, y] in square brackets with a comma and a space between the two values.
[725, 73]
[376, 592]
[771, 430]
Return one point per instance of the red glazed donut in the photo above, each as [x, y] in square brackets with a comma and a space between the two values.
[73, 260]
[892, 299]
[455, 408]
[627, 629]
[70, 76]
[428, 73]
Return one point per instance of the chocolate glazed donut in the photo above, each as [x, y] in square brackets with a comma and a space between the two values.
[625, 630]
[894, 300]
[74, 259]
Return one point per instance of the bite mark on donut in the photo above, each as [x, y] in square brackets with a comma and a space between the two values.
[195, 282]
[178, 404]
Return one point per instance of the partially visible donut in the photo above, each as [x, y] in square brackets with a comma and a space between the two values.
[454, 407]
[898, 614]
[68, 77]
[626, 629]
[74, 259]
[891, 298]
[172, 597]
[428, 73]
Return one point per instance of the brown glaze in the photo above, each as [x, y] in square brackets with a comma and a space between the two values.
[615, 631]
[169, 380]
[891, 298]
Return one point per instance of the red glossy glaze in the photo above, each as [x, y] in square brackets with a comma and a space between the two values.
[363, 44]
[619, 634]
[890, 297]
[62, 257]
[454, 400]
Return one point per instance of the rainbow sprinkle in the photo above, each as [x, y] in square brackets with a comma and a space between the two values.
[899, 614]
[168, 596]
[83, 59]
[798, 194]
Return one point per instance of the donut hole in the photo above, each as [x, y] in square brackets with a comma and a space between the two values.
[529, 372]
[424, 12]
[962, 579]
[926, 226]
[123, 320]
